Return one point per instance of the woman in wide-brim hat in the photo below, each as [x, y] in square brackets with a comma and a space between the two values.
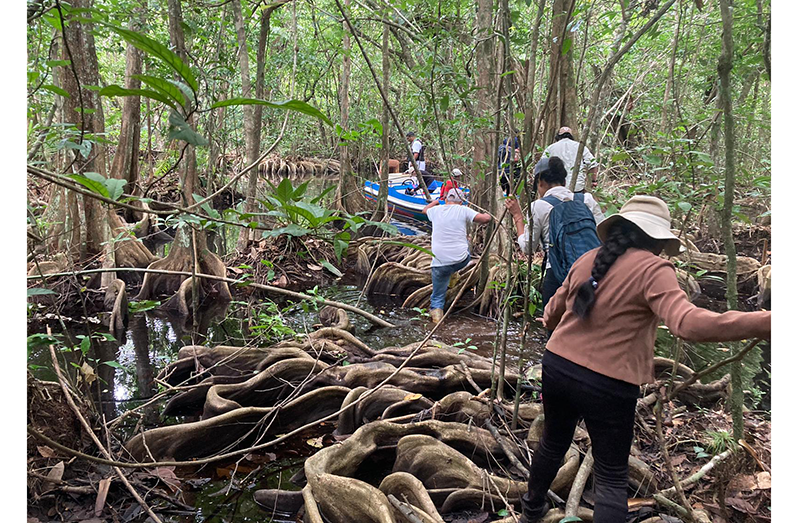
[604, 318]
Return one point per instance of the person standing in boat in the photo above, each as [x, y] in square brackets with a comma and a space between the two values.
[449, 243]
[417, 150]
[451, 183]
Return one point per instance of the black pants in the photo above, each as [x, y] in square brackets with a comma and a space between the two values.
[549, 287]
[570, 393]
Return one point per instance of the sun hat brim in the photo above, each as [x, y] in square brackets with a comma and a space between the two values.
[653, 226]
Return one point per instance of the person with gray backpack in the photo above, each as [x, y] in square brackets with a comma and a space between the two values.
[563, 222]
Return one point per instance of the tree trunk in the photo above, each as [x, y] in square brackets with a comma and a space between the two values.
[529, 108]
[382, 197]
[125, 164]
[84, 109]
[724, 71]
[189, 250]
[347, 183]
[251, 138]
[483, 170]
[564, 111]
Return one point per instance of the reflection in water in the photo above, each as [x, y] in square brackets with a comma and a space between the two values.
[145, 373]
[106, 352]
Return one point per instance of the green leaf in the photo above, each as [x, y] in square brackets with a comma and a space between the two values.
[85, 345]
[300, 191]
[141, 306]
[92, 181]
[285, 191]
[341, 243]
[114, 364]
[324, 193]
[184, 88]
[115, 187]
[36, 340]
[157, 50]
[617, 157]
[332, 268]
[566, 46]
[38, 291]
[164, 87]
[656, 161]
[179, 129]
[291, 230]
[684, 206]
[291, 105]
[444, 103]
[570, 519]
[503, 513]
[115, 90]
[57, 63]
[374, 124]
[56, 90]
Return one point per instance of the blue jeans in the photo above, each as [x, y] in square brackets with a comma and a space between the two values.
[440, 282]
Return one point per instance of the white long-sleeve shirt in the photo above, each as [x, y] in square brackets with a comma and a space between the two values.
[566, 150]
[539, 224]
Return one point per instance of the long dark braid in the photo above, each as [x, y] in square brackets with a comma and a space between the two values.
[622, 236]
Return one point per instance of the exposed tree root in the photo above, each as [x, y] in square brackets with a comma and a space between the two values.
[128, 251]
[181, 258]
[116, 300]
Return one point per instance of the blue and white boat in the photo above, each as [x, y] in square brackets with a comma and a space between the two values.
[401, 203]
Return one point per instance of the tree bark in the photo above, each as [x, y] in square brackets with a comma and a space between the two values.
[382, 197]
[529, 108]
[564, 111]
[251, 137]
[346, 185]
[84, 109]
[724, 72]
[125, 164]
[483, 171]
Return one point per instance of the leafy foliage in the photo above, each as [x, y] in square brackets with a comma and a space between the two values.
[299, 218]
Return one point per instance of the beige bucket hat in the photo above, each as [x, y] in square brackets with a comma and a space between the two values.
[652, 216]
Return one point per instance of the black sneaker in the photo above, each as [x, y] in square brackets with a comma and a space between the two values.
[533, 514]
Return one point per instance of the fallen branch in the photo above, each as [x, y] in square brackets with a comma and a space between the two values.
[669, 492]
[578, 486]
[507, 451]
[406, 510]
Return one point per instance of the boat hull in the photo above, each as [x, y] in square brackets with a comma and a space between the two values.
[401, 203]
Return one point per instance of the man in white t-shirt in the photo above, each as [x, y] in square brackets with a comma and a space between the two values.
[565, 147]
[449, 244]
[417, 149]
